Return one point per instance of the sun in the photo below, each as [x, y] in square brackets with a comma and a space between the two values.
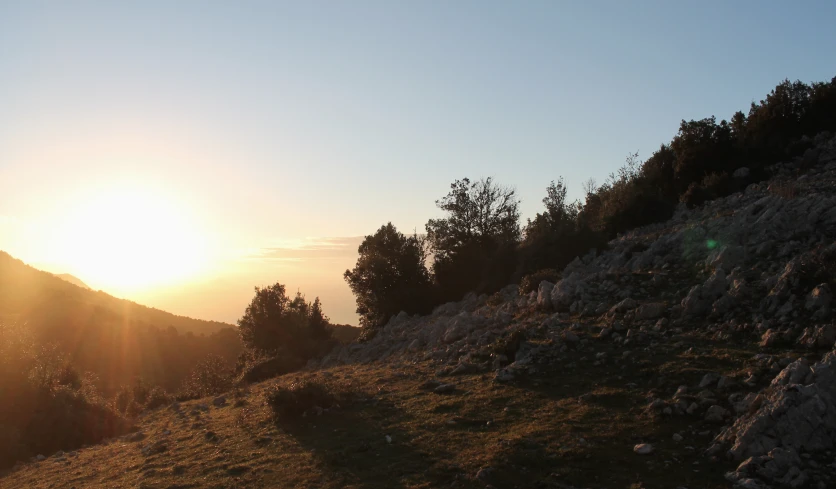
[128, 238]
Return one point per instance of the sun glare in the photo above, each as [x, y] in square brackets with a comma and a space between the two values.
[131, 238]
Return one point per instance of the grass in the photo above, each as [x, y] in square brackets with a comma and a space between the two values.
[571, 423]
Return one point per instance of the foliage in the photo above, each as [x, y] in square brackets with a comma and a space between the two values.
[554, 237]
[298, 398]
[255, 369]
[390, 276]
[48, 405]
[274, 322]
[711, 187]
[345, 333]
[473, 247]
[210, 377]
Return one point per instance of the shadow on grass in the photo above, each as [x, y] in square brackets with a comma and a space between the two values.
[352, 448]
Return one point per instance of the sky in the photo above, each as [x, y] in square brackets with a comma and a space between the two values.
[180, 153]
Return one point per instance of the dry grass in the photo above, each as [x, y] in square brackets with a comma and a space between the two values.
[536, 433]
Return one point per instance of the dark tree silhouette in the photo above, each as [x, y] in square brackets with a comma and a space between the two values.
[390, 276]
[275, 323]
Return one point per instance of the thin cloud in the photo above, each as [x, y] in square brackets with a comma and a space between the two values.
[334, 248]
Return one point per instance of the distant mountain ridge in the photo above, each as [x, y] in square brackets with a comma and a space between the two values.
[73, 280]
[29, 294]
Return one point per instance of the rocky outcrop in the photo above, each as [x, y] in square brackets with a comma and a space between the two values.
[795, 414]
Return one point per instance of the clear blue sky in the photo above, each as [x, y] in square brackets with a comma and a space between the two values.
[277, 121]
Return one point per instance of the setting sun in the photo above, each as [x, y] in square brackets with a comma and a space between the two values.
[132, 237]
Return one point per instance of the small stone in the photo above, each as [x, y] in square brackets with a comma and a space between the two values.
[716, 414]
[643, 449]
[444, 389]
[219, 401]
[677, 437]
[484, 473]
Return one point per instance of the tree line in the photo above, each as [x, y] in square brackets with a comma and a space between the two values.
[481, 245]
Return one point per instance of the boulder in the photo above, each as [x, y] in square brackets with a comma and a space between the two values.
[653, 310]
[544, 295]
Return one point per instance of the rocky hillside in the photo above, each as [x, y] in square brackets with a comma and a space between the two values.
[696, 353]
[753, 271]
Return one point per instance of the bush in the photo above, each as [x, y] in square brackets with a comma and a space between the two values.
[257, 370]
[711, 187]
[47, 406]
[210, 377]
[298, 398]
[531, 282]
[158, 397]
[818, 267]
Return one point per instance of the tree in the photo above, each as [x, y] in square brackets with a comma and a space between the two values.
[390, 276]
[554, 237]
[274, 322]
[474, 246]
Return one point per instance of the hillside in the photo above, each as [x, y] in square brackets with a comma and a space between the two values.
[693, 353]
[115, 339]
[73, 280]
[24, 290]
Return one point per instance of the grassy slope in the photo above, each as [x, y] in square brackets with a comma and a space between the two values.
[529, 432]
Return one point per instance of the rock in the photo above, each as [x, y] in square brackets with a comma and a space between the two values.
[569, 337]
[643, 449]
[741, 173]
[623, 306]
[544, 295]
[797, 411]
[650, 311]
[708, 379]
[219, 401]
[464, 368]
[715, 286]
[677, 437]
[388, 439]
[156, 447]
[135, 437]
[460, 327]
[444, 389]
[40, 458]
[770, 338]
[484, 474]
[716, 414]
[727, 258]
[505, 375]
[819, 297]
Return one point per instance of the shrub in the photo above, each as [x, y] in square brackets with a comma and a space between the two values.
[158, 397]
[531, 282]
[298, 398]
[818, 267]
[711, 187]
[258, 370]
[46, 405]
[210, 377]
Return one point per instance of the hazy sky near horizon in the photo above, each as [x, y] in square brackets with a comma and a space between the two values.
[178, 153]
